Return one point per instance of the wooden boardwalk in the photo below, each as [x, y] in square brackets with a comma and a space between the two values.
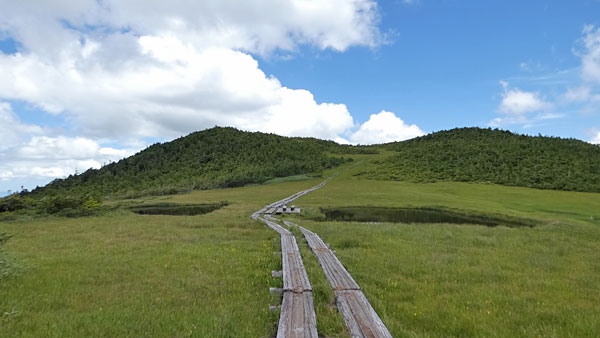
[297, 318]
[360, 317]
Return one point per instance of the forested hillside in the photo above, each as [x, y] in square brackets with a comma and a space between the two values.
[213, 158]
[493, 156]
[226, 157]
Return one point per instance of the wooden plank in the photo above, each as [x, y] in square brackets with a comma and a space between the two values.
[336, 274]
[297, 319]
[295, 277]
[281, 230]
[360, 317]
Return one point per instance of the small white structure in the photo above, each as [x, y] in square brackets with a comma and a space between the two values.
[285, 210]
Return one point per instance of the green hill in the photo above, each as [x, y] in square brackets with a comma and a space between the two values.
[493, 156]
[213, 158]
[227, 157]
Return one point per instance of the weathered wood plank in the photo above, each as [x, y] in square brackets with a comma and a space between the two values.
[297, 319]
[360, 317]
[336, 274]
[295, 277]
[281, 230]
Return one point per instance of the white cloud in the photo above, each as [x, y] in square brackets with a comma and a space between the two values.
[522, 107]
[590, 56]
[596, 139]
[254, 26]
[123, 71]
[152, 69]
[385, 127]
[52, 157]
[516, 101]
[579, 94]
[174, 89]
[12, 130]
[341, 140]
[527, 108]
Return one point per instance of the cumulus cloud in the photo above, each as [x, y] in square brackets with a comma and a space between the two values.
[596, 139]
[14, 131]
[123, 71]
[590, 55]
[522, 107]
[151, 69]
[246, 25]
[52, 157]
[526, 108]
[516, 101]
[385, 127]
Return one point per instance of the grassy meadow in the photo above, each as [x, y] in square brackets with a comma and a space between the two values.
[448, 280]
[129, 275]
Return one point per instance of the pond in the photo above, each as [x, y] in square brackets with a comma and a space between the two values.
[419, 215]
[174, 209]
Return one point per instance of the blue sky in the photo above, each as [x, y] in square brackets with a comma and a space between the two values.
[83, 83]
[446, 58]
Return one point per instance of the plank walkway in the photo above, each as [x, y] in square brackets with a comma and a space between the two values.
[297, 318]
[360, 317]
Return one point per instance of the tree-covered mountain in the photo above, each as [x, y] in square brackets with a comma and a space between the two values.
[213, 158]
[226, 157]
[493, 156]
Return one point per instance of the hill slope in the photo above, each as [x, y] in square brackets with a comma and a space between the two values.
[493, 156]
[213, 158]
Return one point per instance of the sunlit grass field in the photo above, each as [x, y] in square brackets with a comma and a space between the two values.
[443, 280]
[129, 275]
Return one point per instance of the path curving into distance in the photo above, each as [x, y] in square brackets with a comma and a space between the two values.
[298, 317]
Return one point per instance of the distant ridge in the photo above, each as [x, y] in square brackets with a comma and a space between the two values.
[227, 157]
[493, 156]
[213, 158]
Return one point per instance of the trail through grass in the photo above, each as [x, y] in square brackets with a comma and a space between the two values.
[133, 275]
[447, 280]
[129, 275]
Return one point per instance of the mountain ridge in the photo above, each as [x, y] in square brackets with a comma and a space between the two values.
[493, 156]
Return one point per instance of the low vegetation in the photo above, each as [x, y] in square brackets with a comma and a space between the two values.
[22, 205]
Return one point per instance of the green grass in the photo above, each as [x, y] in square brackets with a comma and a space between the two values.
[443, 280]
[129, 275]
[8, 265]
[329, 321]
